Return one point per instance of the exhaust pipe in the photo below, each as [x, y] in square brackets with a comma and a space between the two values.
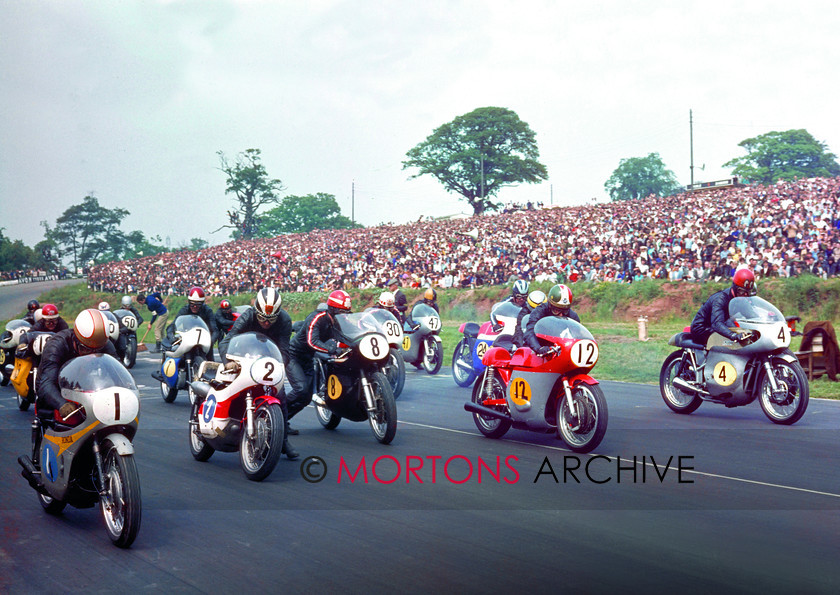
[686, 386]
[31, 474]
[482, 410]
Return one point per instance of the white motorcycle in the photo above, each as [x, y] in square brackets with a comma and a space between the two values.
[180, 363]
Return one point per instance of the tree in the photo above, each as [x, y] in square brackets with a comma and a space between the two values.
[304, 213]
[783, 156]
[16, 255]
[248, 181]
[89, 231]
[638, 177]
[477, 154]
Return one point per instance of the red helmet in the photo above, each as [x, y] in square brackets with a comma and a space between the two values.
[196, 295]
[743, 282]
[224, 305]
[339, 300]
[49, 311]
[90, 330]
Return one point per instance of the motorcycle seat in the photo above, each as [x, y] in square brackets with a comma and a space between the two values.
[200, 388]
[684, 341]
[496, 356]
[471, 330]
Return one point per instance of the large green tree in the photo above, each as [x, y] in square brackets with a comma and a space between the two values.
[477, 154]
[638, 177]
[89, 231]
[304, 213]
[248, 181]
[784, 155]
[15, 255]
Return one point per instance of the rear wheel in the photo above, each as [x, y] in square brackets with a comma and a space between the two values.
[583, 429]
[788, 403]
[395, 371]
[487, 388]
[130, 356]
[678, 400]
[432, 355]
[50, 504]
[327, 418]
[121, 502]
[383, 419]
[259, 455]
[462, 370]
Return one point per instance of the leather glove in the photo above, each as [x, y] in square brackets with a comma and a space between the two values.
[332, 346]
[66, 410]
[742, 335]
[232, 366]
[543, 350]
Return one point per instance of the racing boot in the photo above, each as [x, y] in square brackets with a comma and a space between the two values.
[157, 347]
[288, 449]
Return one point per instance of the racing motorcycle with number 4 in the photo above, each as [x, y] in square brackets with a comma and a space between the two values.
[238, 407]
[88, 458]
[553, 393]
[356, 388]
[421, 346]
[735, 373]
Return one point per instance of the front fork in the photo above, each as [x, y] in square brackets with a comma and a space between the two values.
[367, 391]
[249, 415]
[571, 404]
[771, 376]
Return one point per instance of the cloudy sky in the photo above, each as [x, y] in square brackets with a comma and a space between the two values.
[132, 100]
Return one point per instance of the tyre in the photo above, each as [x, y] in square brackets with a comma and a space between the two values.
[583, 431]
[50, 504]
[491, 427]
[22, 403]
[168, 393]
[677, 400]
[201, 451]
[130, 356]
[788, 404]
[120, 503]
[383, 421]
[432, 355]
[259, 455]
[395, 371]
[462, 370]
[327, 418]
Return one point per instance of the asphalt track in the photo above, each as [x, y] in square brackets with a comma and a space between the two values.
[721, 500]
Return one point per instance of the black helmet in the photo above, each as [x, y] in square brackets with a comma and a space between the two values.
[33, 305]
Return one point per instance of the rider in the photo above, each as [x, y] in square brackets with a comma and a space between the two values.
[196, 306]
[712, 316]
[127, 304]
[89, 335]
[160, 314]
[535, 299]
[316, 334]
[50, 320]
[386, 302]
[224, 318]
[269, 319]
[429, 299]
[31, 307]
[400, 301]
[559, 303]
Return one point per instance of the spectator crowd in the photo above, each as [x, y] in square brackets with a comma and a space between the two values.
[780, 230]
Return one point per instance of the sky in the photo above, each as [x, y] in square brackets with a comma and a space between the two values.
[131, 101]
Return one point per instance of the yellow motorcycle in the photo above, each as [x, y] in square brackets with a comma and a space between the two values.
[27, 358]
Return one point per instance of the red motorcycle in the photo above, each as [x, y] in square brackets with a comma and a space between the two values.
[550, 393]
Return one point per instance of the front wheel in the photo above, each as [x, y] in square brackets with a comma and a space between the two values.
[490, 389]
[462, 370]
[259, 454]
[582, 429]
[395, 371]
[788, 403]
[167, 392]
[327, 418]
[383, 419]
[50, 504]
[130, 356]
[120, 502]
[677, 400]
[432, 356]
[22, 402]
[201, 451]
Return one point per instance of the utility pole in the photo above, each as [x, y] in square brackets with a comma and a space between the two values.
[482, 177]
[353, 201]
[551, 190]
[691, 142]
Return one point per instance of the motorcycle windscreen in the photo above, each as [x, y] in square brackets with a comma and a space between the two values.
[14, 331]
[253, 346]
[94, 372]
[754, 310]
[188, 322]
[127, 318]
[554, 329]
[505, 313]
[389, 325]
[427, 316]
[353, 326]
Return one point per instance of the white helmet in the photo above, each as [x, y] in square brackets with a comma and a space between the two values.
[267, 304]
[386, 299]
[104, 306]
[126, 301]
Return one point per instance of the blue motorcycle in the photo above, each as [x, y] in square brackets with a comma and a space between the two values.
[466, 359]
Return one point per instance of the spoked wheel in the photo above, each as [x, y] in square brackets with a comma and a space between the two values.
[168, 393]
[121, 502]
[50, 504]
[395, 371]
[678, 400]
[327, 418]
[583, 429]
[490, 388]
[201, 451]
[432, 355]
[383, 420]
[462, 370]
[130, 356]
[788, 403]
[259, 455]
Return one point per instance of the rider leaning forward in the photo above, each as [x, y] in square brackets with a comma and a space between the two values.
[559, 303]
[712, 316]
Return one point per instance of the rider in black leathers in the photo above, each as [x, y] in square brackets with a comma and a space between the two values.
[195, 305]
[224, 319]
[559, 303]
[712, 316]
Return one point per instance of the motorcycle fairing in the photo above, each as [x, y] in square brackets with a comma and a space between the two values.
[169, 369]
[724, 372]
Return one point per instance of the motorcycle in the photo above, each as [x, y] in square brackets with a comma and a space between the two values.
[467, 358]
[395, 367]
[88, 458]
[734, 373]
[25, 373]
[9, 341]
[129, 330]
[355, 386]
[239, 409]
[422, 346]
[181, 360]
[552, 393]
